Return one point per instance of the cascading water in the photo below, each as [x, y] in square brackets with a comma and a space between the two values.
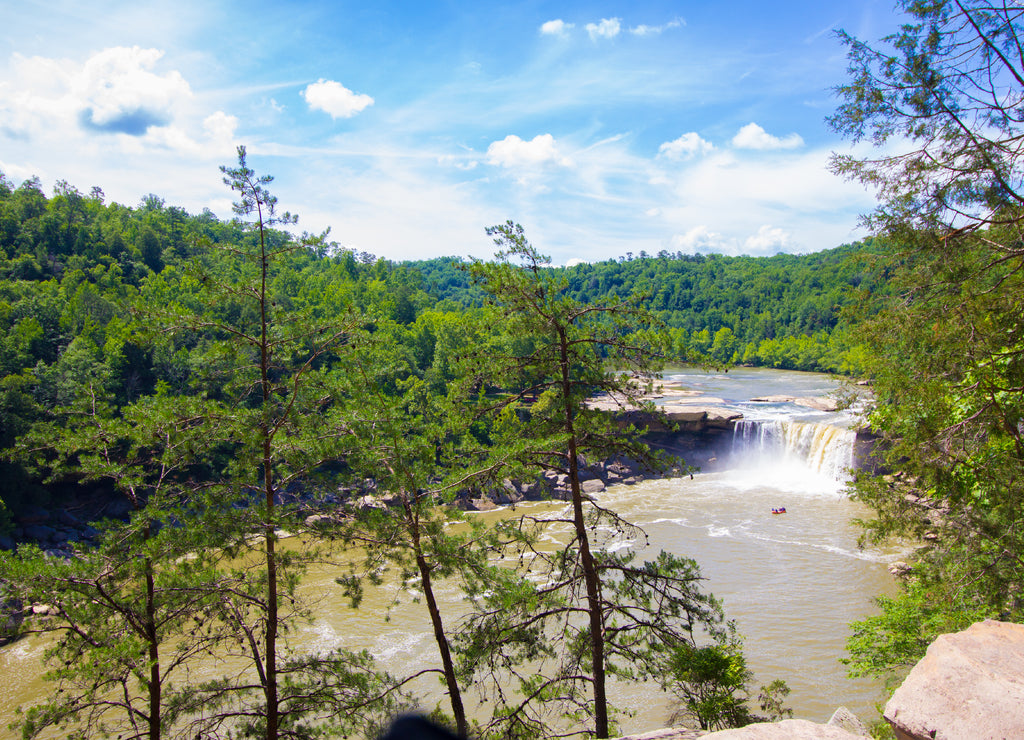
[823, 448]
[804, 455]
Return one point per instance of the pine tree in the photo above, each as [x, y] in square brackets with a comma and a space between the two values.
[586, 612]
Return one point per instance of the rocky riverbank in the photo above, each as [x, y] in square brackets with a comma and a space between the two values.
[695, 431]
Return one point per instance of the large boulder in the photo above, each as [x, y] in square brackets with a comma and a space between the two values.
[969, 684]
[790, 729]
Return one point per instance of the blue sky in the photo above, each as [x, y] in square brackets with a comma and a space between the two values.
[408, 127]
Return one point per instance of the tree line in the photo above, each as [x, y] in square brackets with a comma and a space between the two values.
[786, 311]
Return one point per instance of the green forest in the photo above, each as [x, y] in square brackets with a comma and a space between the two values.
[82, 279]
[259, 400]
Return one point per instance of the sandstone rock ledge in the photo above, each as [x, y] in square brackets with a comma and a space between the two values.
[818, 403]
[789, 729]
[968, 686]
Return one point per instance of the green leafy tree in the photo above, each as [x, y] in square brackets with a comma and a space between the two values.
[710, 682]
[941, 99]
[282, 434]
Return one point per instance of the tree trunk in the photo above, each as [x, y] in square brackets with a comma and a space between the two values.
[270, 690]
[154, 655]
[590, 575]
[454, 694]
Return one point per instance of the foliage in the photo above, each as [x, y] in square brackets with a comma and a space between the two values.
[408, 440]
[210, 476]
[770, 699]
[710, 682]
[281, 431]
[940, 98]
[237, 336]
[784, 311]
[74, 270]
[119, 607]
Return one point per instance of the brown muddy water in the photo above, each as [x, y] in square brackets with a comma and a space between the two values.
[791, 582]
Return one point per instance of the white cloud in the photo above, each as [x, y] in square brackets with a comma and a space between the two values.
[557, 27]
[112, 118]
[645, 30]
[16, 173]
[698, 239]
[114, 91]
[768, 240]
[753, 136]
[121, 94]
[608, 28]
[806, 206]
[462, 163]
[513, 152]
[335, 99]
[685, 147]
[220, 126]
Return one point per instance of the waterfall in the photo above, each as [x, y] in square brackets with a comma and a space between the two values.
[822, 448]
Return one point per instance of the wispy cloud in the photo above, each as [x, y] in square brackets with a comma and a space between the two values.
[556, 27]
[606, 28]
[685, 147]
[605, 156]
[645, 30]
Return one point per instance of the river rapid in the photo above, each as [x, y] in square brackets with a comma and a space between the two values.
[792, 582]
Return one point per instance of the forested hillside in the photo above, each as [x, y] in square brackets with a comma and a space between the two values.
[785, 311]
[75, 270]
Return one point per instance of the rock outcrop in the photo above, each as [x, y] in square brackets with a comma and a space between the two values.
[844, 719]
[698, 417]
[969, 685]
[818, 403]
[843, 726]
[788, 729]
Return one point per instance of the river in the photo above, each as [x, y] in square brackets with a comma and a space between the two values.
[792, 582]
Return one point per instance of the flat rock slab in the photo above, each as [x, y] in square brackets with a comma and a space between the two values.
[968, 685]
[789, 729]
[670, 733]
[713, 416]
[812, 402]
